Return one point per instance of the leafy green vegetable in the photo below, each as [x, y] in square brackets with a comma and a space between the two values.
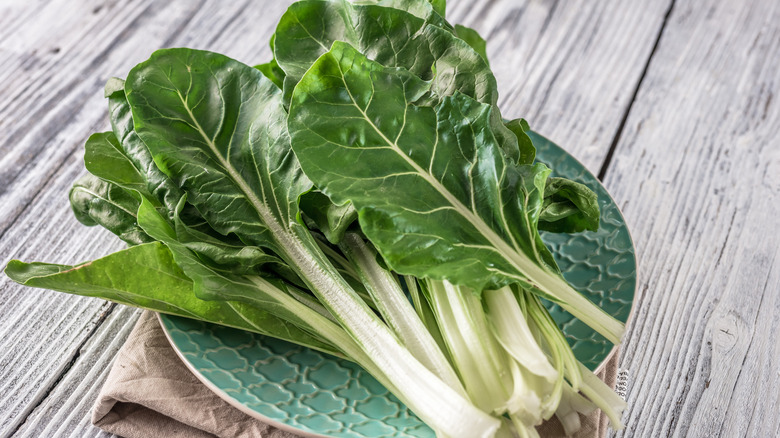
[473, 218]
[145, 276]
[393, 116]
[96, 202]
[473, 39]
[106, 159]
[393, 38]
[569, 207]
[163, 191]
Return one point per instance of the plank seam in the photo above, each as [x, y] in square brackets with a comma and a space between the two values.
[38, 401]
[618, 134]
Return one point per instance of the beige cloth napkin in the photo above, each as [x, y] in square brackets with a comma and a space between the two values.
[150, 393]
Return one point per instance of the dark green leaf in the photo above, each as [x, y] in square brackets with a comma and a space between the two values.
[473, 39]
[146, 276]
[105, 158]
[223, 140]
[526, 147]
[97, 202]
[163, 191]
[332, 220]
[569, 207]
[393, 38]
[212, 283]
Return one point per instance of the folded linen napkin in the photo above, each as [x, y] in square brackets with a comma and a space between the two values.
[150, 392]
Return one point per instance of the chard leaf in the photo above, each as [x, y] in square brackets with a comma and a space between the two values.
[97, 202]
[233, 256]
[158, 189]
[473, 39]
[433, 190]
[440, 6]
[412, 167]
[271, 69]
[526, 147]
[331, 219]
[217, 128]
[105, 158]
[393, 38]
[162, 191]
[423, 9]
[569, 207]
[146, 276]
[215, 283]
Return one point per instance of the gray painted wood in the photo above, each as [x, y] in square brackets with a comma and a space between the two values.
[67, 410]
[697, 171]
[694, 170]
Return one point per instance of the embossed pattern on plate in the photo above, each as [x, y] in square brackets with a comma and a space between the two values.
[600, 264]
[316, 394]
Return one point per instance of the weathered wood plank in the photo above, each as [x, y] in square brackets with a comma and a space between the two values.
[698, 174]
[48, 107]
[569, 68]
[67, 410]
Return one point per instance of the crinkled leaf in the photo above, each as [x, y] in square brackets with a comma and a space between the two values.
[424, 9]
[393, 38]
[212, 283]
[569, 207]
[217, 128]
[105, 158]
[146, 276]
[112, 160]
[332, 220]
[229, 254]
[525, 146]
[162, 190]
[473, 39]
[425, 181]
[97, 202]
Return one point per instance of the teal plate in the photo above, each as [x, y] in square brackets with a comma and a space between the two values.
[315, 394]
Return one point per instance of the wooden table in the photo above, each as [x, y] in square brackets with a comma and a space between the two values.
[675, 105]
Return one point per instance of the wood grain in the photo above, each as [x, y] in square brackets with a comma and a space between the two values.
[67, 410]
[698, 173]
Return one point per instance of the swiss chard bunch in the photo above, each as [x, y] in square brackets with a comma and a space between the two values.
[361, 195]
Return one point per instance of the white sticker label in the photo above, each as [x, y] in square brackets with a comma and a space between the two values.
[621, 386]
